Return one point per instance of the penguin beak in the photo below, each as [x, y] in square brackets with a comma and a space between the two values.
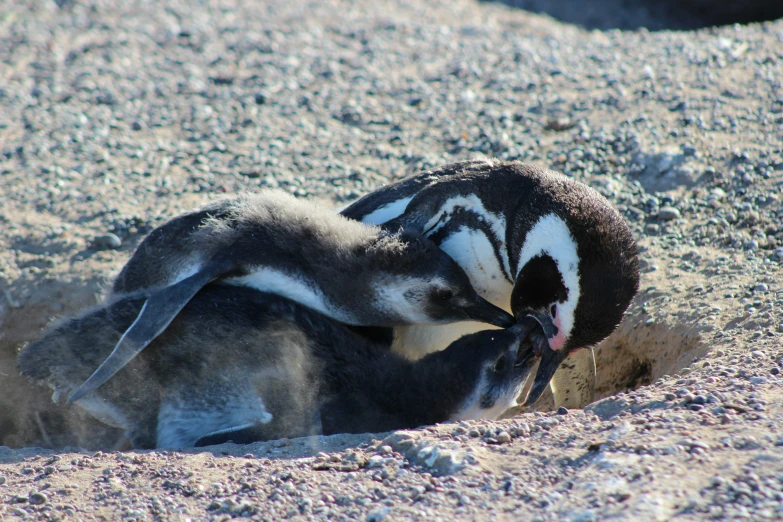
[524, 358]
[550, 359]
[485, 312]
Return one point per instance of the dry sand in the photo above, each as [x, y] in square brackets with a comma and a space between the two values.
[118, 115]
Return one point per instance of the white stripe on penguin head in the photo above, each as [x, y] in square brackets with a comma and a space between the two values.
[550, 235]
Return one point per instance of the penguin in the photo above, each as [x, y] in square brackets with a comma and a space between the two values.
[243, 365]
[532, 241]
[270, 241]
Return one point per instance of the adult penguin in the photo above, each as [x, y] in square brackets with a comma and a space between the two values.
[531, 240]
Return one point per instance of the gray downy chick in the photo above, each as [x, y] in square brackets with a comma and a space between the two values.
[242, 365]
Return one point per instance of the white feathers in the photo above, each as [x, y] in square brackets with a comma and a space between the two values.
[472, 409]
[417, 340]
[405, 297]
[299, 289]
[550, 235]
[387, 212]
[472, 250]
[186, 272]
[472, 203]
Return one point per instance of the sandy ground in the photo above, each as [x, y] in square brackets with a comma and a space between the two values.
[116, 116]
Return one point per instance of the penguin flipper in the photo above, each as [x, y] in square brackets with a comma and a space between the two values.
[157, 313]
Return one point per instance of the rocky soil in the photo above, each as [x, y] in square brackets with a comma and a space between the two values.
[117, 115]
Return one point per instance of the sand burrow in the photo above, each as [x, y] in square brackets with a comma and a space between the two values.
[642, 350]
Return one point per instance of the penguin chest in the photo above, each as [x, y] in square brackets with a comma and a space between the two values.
[416, 341]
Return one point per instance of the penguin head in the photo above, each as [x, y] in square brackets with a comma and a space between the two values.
[496, 364]
[419, 283]
[577, 276]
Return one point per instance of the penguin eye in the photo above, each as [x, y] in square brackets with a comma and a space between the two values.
[499, 364]
[553, 311]
[445, 294]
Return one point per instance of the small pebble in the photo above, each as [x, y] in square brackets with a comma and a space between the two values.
[37, 498]
[668, 213]
[375, 461]
[106, 241]
[379, 515]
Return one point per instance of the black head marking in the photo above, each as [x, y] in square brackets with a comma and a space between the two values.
[539, 285]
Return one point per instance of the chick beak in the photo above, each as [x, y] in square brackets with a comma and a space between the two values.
[485, 312]
[550, 359]
[524, 352]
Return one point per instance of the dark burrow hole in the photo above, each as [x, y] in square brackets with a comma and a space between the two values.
[654, 15]
[637, 354]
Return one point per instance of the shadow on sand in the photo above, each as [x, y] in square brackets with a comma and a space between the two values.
[653, 15]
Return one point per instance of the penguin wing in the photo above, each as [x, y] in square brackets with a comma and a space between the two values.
[417, 217]
[387, 202]
[168, 250]
[157, 313]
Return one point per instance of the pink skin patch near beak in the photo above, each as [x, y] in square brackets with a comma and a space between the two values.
[558, 341]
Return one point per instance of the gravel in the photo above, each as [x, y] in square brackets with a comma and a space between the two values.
[117, 116]
[668, 213]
